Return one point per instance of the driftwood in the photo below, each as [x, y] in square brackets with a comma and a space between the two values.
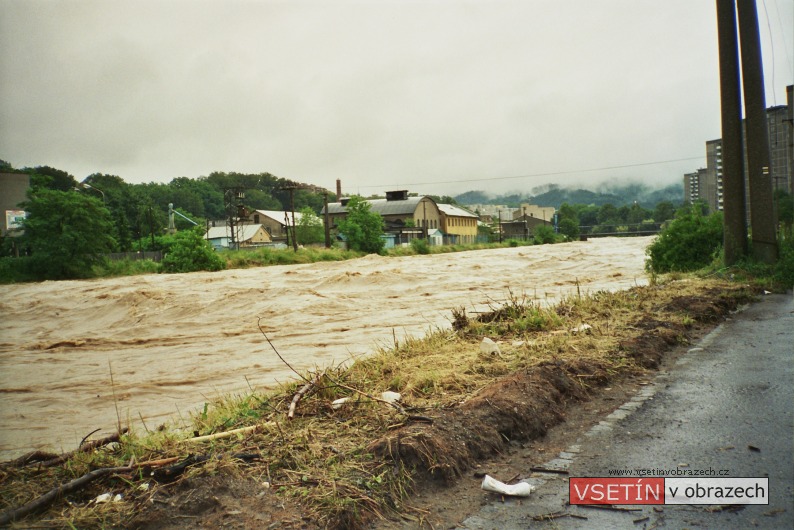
[84, 448]
[227, 434]
[30, 458]
[168, 474]
[50, 459]
[171, 473]
[47, 499]
[299, 395]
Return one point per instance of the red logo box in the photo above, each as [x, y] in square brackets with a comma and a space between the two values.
[613, 490]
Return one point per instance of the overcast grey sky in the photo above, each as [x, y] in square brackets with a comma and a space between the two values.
[433, 96]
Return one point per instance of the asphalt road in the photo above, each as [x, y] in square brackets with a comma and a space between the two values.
[727, 404]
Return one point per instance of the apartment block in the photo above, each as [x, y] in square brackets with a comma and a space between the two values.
[706, 184]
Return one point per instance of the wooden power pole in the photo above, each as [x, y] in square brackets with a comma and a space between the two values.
[762, 211]
[735, 238]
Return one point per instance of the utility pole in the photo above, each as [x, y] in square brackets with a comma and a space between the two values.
[291, 190]
[233, 202]
[327, 220]
[735, 238]
[762, 213]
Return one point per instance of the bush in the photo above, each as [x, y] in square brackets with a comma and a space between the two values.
[126, 267]
[16, 270]
[191, 252]
[544, 234]
[420, 246]
[688, 243]
[784, 268]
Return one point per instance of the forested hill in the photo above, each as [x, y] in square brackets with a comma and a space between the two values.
[554, 195]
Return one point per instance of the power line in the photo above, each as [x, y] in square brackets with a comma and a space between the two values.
[532, 175]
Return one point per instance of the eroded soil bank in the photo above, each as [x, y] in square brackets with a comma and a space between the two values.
[348, 467]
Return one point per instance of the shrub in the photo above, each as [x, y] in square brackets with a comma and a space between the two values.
[784, 268]
[191, 252]
[544, 234]
[688, 243]
[420, 246]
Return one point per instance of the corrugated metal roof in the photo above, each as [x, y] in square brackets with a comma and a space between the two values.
[451, 209]
[383, 207]
[279, 216]
[243, 232]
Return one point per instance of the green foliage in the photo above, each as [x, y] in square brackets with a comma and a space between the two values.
[191, 252]
[310, 229]
[276, 256]
[784, 268]
[420, 246]
[67, 233]
[51, 178]
[544, 234]
[569, 221]
[663, 211]
[126, 267]
[569, 228]
[362, 227]
[688, 243]
[17, 270]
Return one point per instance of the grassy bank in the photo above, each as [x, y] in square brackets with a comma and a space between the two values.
[242, 460]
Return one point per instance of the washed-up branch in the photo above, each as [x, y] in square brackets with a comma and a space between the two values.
[300, 394]
[49, 459]
[228, 434]
[55, 493]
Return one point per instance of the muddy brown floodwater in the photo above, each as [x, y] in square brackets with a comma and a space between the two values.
[175, 341]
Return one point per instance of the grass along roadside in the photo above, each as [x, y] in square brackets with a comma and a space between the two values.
[337, 467]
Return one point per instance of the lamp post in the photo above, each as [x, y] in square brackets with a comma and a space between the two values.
[90, 187]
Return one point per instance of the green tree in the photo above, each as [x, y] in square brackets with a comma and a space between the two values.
[362, 227]
[189, 252]
[637, 214]
[310, 229]
[67, 233]
[569, 221]
[607, 214]
[49, 177]
[663, 211]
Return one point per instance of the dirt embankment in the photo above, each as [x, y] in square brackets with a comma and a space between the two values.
[517, 408]
[174, 342]
[343, 468]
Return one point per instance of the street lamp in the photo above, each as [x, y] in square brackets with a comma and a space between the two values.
[90, 187]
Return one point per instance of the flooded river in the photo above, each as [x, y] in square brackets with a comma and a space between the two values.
[172, 342]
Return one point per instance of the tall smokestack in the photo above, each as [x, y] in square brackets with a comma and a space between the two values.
[338, 189]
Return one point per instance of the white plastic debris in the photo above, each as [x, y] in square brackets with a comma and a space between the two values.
[337, 403]
[390, 397]
[522, 489]
[489, 347]
[107, 497]
[581, 328]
